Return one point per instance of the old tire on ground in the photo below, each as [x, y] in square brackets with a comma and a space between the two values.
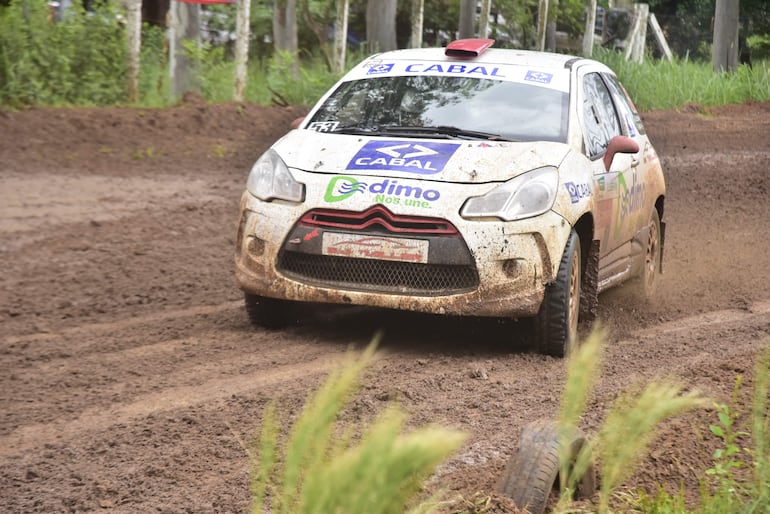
[647, 282]
[555, 326]
[269, 313]
[532, 473]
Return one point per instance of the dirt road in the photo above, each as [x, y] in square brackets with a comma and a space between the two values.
[130, 372]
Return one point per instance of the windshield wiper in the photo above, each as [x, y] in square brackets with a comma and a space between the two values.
[445, 130]
[352, 129]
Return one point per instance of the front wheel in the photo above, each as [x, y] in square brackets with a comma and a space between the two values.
[556, 323]
[269, 313]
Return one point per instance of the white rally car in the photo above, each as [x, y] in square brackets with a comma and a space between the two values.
[464, 180]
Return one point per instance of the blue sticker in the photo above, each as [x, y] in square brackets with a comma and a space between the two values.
[630, 124]
[577, 191]
[378, 69]
[423, 158]
[538, 76]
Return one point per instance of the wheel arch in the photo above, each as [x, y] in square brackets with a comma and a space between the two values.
[589, 253]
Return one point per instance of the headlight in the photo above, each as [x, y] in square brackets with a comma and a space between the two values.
[270, 179]
[525, 196]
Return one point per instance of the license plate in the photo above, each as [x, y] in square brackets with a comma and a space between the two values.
[374, 247]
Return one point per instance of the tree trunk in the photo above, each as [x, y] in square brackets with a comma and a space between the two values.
[381, 25]
[542, 23]
[724, 55]
[418, 12]
[550, 28]
[285, 33]
[341, 35]
[241, 49]
[486, 6]
[134, 37]
[467, 18]
[588, 36]
[185, 26]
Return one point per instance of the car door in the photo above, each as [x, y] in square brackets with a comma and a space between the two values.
[601, 122]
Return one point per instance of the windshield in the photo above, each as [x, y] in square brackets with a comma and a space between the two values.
[505, 110]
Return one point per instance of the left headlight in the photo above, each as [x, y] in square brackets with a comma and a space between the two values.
[270, 179]
[527, 195]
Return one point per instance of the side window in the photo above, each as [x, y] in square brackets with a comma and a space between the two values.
[599, 117]
[631, 117]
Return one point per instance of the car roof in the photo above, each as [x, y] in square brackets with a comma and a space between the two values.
[489, 56]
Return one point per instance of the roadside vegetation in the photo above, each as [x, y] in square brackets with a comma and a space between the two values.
[43, 63]
[54, 64]
[323, 464]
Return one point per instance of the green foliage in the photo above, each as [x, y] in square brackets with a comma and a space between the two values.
[321, 473]
[740, 477]
[727, 459]
[660, 84]
[628, 429]
[47, 63]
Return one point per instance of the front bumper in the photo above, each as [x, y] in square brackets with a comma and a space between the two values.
[511, 262]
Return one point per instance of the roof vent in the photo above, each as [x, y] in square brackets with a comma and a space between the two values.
[467, 47]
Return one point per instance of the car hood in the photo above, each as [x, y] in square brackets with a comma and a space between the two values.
[443, 160]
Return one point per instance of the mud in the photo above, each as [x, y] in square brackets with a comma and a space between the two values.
[131, 374]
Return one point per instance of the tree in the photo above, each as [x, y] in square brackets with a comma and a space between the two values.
[185, 27]
[285, 32]
[242, 49]
[418, 15]
[467, 18]
[724, 54]
[381, 25]
[134, 38]
[341, 35]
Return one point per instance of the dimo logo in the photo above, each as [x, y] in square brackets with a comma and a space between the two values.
[387, 191]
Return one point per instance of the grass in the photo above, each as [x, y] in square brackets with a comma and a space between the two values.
[660, 84]
[322, 467]
[325, 466]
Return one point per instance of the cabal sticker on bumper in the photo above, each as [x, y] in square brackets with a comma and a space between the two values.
[424, 158]
[385, 191]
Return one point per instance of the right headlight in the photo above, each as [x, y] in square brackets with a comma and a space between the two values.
[270, 179]
[527, 195]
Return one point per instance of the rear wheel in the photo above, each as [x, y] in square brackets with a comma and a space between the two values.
[556, 323]
[648, 278]
[267, 312]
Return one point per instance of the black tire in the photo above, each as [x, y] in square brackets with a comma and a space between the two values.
[532, 473]
[269, 313]
[555, 327]
[647, 282]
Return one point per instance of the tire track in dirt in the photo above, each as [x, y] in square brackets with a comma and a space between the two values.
[213, 390]
[208, 392]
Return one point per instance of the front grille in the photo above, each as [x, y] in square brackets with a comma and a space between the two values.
[377, 275]
[378, 218]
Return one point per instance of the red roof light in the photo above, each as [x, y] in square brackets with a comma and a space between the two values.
[467, 47]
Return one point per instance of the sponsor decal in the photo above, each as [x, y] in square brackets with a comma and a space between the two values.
[380, 68]
[388, 191]
[538, 76]
[607, 184]
[577, 191]
[631, 196]
[324, 126]
[423, 158]
[630, 124]
[311, 235]
[459, 69]
[649, 153]
[386, 248]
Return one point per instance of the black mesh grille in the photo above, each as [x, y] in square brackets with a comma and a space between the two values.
[377, 275]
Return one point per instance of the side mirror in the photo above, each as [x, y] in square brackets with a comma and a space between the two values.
[296, 123]
[619, 144]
